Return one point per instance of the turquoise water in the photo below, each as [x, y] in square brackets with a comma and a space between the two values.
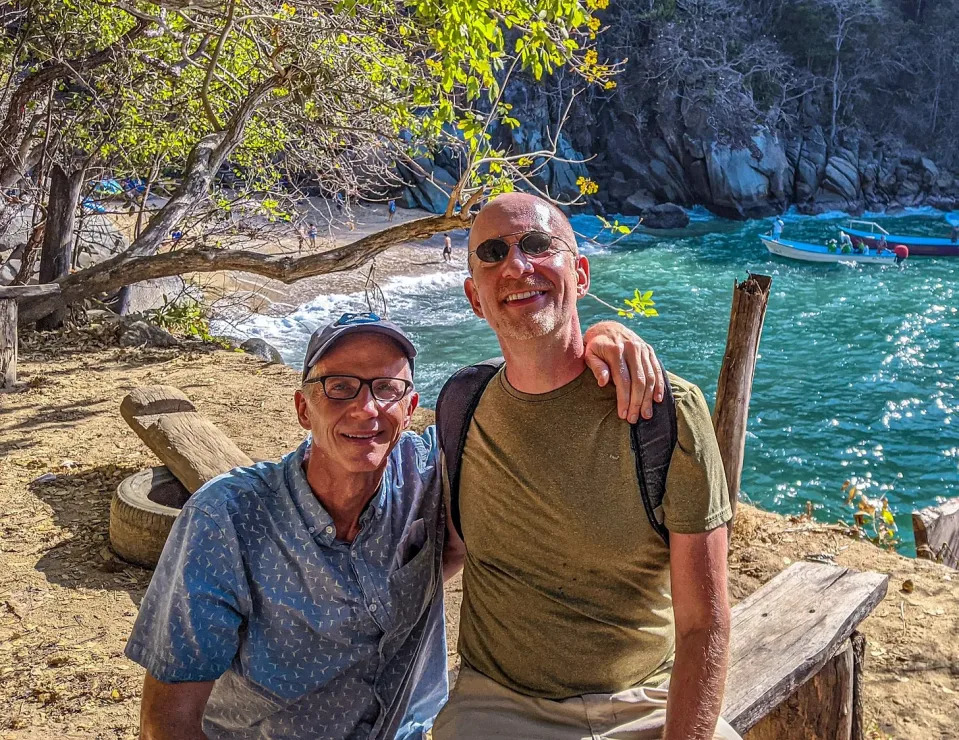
[858, 373]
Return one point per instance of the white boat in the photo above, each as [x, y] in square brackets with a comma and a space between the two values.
[818, 253]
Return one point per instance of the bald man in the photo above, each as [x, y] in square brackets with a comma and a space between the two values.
[576, 608]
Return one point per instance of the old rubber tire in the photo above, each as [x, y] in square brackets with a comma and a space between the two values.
[141, 514]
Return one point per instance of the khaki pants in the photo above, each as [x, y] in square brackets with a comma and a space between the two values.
[480, 708]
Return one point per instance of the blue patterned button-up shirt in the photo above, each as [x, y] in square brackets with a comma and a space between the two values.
[305, 635]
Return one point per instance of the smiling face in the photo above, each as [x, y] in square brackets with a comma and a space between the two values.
[523, 296]
[356, 436]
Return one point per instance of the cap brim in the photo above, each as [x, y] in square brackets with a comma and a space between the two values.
[396, 336]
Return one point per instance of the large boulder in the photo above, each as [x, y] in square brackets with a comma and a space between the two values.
[262, 350]
[638, 203]
[565, 170]
[665, 216]
[406, 199]
[842, 175]
[431, 197]
[142, 334]
[810, 165]
[667, 178]
[747, 182]
[149, 295]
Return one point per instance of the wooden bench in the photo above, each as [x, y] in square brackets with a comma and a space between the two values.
[937, 533]
[795, 666]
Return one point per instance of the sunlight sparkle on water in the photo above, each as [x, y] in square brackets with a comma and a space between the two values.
[858, 371]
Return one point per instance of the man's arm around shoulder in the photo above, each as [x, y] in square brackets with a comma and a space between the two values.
[173, 711]
[697, 565]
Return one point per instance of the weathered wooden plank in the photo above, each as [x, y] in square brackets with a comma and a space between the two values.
[8, 342]
[820, 709]
[28, 291]
[785, 632]
[188, 443]
[937, 532]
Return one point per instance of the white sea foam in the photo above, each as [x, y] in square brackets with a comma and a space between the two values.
[405, 297]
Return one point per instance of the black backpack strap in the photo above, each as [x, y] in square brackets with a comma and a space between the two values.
[653, 441]
[454, 411]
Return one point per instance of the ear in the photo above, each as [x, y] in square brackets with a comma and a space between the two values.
[302, 411]
[472, 295]
[582, 276]
[414, 402]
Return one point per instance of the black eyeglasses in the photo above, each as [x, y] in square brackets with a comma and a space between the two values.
[531, 243]
[347, 387]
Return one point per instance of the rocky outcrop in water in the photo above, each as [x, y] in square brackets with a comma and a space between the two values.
[655, 170]
[767, 174]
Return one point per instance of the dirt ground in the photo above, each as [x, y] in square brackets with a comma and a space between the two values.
[67, 604]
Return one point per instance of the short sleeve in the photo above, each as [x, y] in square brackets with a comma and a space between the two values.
[188, 628]
[696, 498]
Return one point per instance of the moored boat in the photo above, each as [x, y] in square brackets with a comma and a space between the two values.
[872, 235]
[818, 253]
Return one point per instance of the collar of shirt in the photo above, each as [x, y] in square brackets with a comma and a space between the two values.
[318, 521]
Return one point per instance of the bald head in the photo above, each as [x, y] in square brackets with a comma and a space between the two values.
[512, 213]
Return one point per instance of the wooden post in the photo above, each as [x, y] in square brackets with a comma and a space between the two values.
[736, 376]
[8, 342]
[820, 709]
[858, 641]
[9, 295]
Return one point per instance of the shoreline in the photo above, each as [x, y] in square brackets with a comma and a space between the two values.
[237, 295]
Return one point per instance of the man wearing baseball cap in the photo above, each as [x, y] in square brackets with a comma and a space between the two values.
[303, 598]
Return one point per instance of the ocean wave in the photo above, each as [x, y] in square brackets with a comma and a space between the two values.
[405, 295]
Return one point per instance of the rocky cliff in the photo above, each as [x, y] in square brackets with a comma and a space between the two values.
[640, 171]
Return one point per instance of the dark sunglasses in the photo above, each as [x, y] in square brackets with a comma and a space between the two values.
[347, 387]
[349, 319]
[532, 244]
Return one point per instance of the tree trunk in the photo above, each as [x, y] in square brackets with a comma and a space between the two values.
[835, 101]
[112, 274]
[736, 377]
[57, 253]
[30, 252]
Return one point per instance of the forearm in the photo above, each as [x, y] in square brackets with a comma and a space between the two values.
[172, 728]
[173, 711]
[454, 556]
[696, 684]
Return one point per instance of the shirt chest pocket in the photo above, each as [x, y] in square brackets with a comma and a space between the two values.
[413, 582]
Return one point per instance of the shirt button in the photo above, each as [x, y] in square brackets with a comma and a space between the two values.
[354, 554]
[328, 530]
[311, 530]
[372, 607]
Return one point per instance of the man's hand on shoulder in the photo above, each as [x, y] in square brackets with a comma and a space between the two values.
[617, 353]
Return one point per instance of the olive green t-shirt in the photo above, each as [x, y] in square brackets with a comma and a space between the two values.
[566, 585]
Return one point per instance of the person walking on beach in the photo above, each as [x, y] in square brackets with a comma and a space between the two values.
[577, 601]
[447, 249]
[303, 599]
[311, 233]
[391, 210]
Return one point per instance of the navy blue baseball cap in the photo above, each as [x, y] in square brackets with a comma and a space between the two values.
[353, 323]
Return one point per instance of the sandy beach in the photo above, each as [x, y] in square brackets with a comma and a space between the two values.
[233, 292]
